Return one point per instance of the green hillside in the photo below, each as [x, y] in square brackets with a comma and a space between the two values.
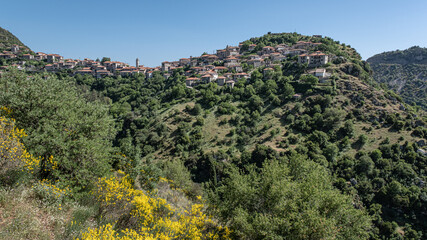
[405, 72]
[7, 39]
[281, 155]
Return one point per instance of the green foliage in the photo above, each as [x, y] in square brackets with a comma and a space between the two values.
[309, 79]
[287, 201]
[60, 123]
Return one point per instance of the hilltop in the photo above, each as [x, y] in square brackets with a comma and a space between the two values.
[7, 40]
[284, 136]
[405, 72]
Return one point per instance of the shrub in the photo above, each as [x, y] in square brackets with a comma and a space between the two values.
[145, 216]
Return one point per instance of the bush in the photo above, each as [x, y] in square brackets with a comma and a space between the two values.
[363, 139]
[144, 216]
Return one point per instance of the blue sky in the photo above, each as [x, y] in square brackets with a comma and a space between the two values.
[156, 31]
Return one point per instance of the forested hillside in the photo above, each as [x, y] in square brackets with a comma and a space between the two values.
[405, 72]
[279, 155]
[7, 39]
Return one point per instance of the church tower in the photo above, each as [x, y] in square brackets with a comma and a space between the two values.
[137, 62]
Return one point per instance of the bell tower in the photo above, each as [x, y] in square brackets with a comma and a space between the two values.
[137, 62]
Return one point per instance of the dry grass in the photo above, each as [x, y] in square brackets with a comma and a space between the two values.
[24, 216]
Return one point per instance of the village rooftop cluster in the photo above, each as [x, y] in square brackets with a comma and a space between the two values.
[224, 67]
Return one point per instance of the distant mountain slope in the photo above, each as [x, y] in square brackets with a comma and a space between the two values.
[7, 39]
[403, 71]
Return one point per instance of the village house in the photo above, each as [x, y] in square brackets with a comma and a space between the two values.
[320, 73]
[256, 62]
[197, 69]
[40, 56]
[221, 54]
[229, 83]
[50, 67]
[165, 66]
[220, 69]
[102, 73]
[209, 67]
[232, 51]
[231, 61]
[221, 80]
[253, 57]
[209, 77]
[28, 57]
[237, 68]
[189, 82]
[7, 55]
[70, 64]
[149, 74]
[277, 57]
[209, 59]
[317, 59]
[305, 45]
[54, 57]
[267, 50]
[228, 76]
[85, 70]
[194, 61]
[238, 76]
[252, 47]
[314, 59]
[19, 67]
[294, 52]
[112, 66]
[282, 47]
[14, 48]
[167, 75]
[126, 73]
[303, 58]
[184, 61]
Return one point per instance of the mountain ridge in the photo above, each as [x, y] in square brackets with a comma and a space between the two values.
[404, 71]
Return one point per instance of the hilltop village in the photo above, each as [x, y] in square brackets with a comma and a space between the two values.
[224, 67]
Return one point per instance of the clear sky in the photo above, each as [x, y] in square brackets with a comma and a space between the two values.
[156, 31]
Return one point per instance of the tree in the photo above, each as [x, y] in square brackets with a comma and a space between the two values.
[309, 79]
[62, 124]
[288, 91]
[105, 59]
[280, 201]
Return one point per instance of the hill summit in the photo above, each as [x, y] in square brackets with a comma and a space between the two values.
[7, 39]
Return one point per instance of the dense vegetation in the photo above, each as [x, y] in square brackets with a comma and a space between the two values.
[405, 72]
[341, 161]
